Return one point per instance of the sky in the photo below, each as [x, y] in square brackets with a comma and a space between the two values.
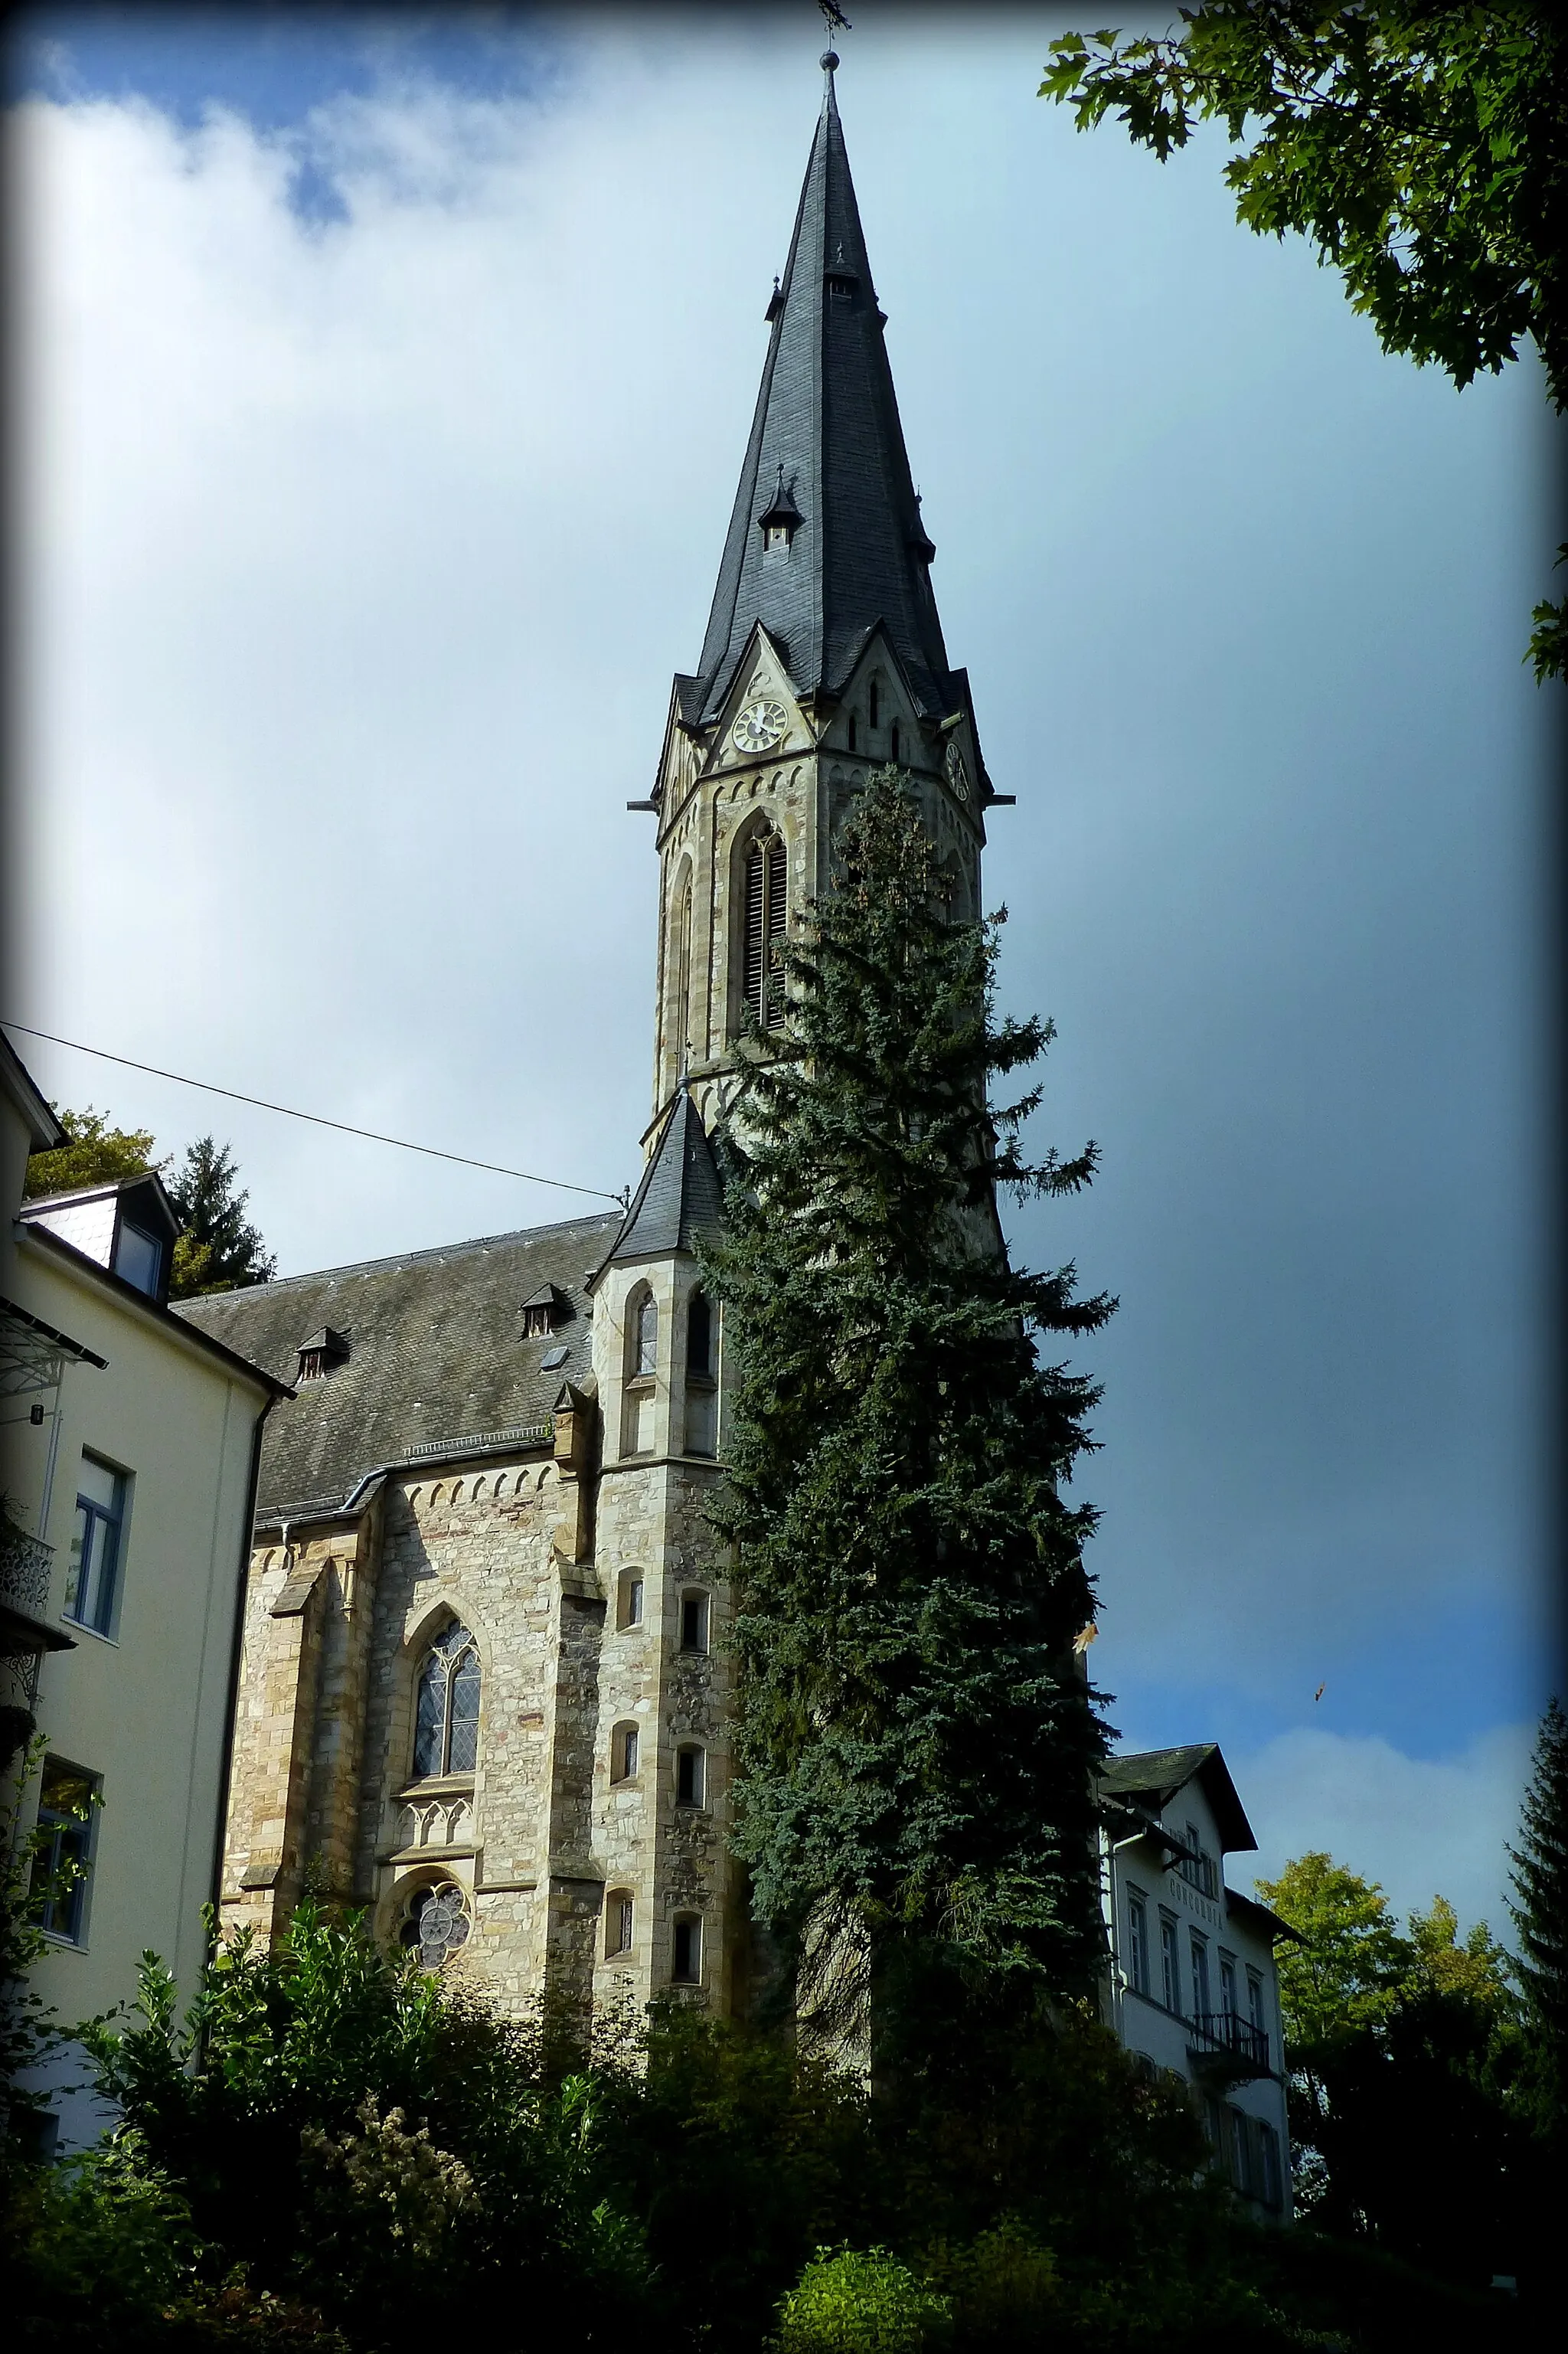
[382, 384]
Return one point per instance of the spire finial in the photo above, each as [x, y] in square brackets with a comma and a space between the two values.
[835, 20]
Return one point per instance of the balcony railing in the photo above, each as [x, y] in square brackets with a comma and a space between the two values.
[1225, 2035]
[24, 1570]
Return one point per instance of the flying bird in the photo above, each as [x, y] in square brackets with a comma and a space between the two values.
[1320, 1691]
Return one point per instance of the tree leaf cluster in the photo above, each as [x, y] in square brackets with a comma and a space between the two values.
[1424, 149]
[915, 1742]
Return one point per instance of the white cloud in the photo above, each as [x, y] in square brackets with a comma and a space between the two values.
[1420, 1826]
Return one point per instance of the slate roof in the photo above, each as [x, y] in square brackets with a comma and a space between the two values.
[681, 1195]
[1159, 1774]
[827, 429]
[436, 1352]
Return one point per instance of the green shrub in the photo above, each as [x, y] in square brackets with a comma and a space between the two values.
[859, 2301]
[1004, 2287]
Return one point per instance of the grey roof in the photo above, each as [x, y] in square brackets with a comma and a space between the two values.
[436, 1352]
[681, 1195]
[826, 415]
[1159, 1774]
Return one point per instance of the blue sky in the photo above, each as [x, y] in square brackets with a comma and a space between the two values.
[354, 345]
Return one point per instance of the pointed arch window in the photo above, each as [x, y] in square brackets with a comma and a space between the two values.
[766, 910]
[445, 1716]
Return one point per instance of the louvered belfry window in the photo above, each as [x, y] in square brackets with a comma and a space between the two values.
[765, 912]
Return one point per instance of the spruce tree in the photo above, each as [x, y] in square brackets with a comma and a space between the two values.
[219, 1250]
[1540, 1877]
[916, 1740]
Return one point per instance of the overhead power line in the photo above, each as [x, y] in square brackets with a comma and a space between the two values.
[431, 1152]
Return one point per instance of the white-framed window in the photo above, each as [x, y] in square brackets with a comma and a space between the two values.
[1271, 2188]
[1138, 1940]
[686, 1949]
[446, 1707]
[1169, 1964]
[97, 1545]
[691, 1774]
[1199, 1977]
[1228, 1985]
[625, 1749]
[62, 1862]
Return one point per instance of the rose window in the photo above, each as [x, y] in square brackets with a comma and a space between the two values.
[436, 1924]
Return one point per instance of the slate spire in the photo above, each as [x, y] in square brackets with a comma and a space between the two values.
[682, 1193]
[826, 433]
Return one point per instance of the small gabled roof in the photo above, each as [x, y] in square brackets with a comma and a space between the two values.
[1157, 1775]
[146, 1183]
[682, 1193]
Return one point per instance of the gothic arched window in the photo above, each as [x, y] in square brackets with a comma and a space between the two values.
[445, 1717]
[766, 896]
[647, 1336]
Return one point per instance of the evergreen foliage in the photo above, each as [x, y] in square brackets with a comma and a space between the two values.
[915, 1740]
[1541, 1918]
[219, 1250]
[1423, 149]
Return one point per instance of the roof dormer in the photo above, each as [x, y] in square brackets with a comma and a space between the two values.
[129, 1227]
[544, 1310]
[321, 1355]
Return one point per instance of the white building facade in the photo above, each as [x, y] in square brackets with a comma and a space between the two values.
[1192, 1991]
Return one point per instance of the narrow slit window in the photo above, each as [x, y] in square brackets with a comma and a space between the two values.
[631, 1611]
[691, 1777]
[893, 746]
[1138, 1943]
[687, 1958]
[694, 1622]
[623, 1753]
[618, 1921]
[648, 1336]
[875, 703]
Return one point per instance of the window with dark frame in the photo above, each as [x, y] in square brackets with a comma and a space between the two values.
[631, 1612]
[893, 741]
[139, 1259]
[446, 1711]
[876, 702]
[694, 1622]
[92, 1585]
[623, 1753]
[691, 1775]
[63, 1856]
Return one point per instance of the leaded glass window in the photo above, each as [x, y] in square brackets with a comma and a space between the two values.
[445, 1719]
[647, 1336]
[436, 1924]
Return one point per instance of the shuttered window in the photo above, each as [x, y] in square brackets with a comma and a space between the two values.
[765, 913]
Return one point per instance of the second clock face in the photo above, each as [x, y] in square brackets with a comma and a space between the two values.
[958, 775]
[760, 725]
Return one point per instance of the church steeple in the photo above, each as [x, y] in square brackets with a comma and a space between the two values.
[823, 659]
[826, 438]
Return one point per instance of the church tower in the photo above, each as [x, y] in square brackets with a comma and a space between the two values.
[824, 660]
[823, 656]
[484, 1693]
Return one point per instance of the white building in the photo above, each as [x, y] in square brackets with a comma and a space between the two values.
[1193, 1991]
[129, 1445]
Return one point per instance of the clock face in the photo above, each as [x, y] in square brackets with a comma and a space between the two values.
[760, 725]
[958, 775]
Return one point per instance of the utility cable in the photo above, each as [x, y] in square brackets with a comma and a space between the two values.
[432, 1151]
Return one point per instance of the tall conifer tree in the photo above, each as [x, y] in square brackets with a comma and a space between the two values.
[1540, 1916]
[915, 1739]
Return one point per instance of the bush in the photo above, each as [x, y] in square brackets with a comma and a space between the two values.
[850, 2301]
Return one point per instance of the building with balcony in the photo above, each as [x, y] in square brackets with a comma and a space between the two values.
[129, 1445]
[1192, 1991]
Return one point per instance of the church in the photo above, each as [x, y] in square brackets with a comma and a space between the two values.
[483, 1688]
